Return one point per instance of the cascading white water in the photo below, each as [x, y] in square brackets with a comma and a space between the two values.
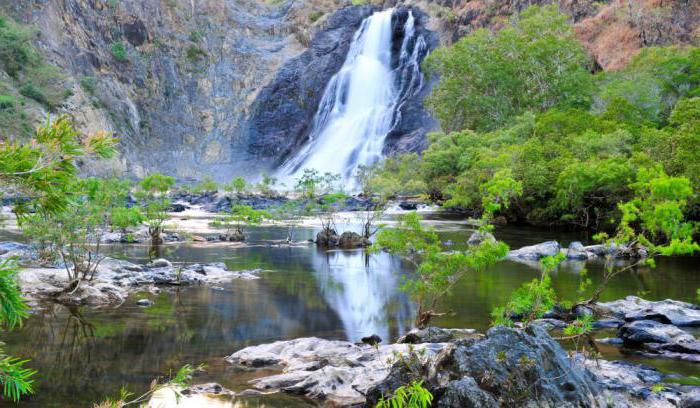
[361, 102]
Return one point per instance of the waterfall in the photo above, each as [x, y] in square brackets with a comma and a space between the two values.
[361, 103]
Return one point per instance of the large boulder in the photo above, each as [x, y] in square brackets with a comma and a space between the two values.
[665, 311]
[350, 239]
[509, 367]
[336, 371]
[662, 339]
[327, 238]
[535, 252]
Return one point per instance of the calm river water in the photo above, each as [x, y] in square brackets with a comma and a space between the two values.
[83, 355]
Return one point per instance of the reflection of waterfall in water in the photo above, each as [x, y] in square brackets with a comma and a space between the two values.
[364, 293]
[361, 103]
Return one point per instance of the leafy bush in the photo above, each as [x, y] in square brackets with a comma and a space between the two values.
[194, 54]
[315, 15]
[32, 92]
[413, 395]
[7, 103]
[88, 84]
[16, 49]
[487, 78]
[118, 51]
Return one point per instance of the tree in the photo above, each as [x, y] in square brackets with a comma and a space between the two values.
[237, 185]
[41, 169]
[152, 193]
[437, 271]
[239, 216]
[486, 78]
[44, 167]
[651, 224]
[266, 186]
[75, 233]
[312, 183]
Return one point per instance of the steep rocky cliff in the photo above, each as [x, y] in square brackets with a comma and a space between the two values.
[223, 87]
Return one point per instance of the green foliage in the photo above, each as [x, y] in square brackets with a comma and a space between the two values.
[242, 215]
[196, 36]
[118, 51]
[652, 83]
[181, 379]
[315, 15]
[394, 175]
[486, 79]
[13, 308]
[194, 54]
[88, 83]
[266, 186]
[206, 185]
[43, 169]
[413, 395]
[505, 111]
[123, 217]
[436, 271]
[237, 185]
[152, 193]
[312, 183]
[75, 233]
[532, 299]
[358, 2]
[15, 378]
[7, 103]
[655, 218]
[16, 48]
[579, 327]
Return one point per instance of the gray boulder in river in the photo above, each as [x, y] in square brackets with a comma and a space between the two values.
[506, 367]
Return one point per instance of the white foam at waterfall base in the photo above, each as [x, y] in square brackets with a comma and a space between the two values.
[359, 105]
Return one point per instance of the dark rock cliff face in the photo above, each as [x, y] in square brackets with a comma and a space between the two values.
[283, 111]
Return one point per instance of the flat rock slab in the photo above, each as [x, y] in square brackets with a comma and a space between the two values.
[337, 371]
[667, 311]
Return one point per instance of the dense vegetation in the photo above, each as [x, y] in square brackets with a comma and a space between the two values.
[30, 80]
[523, 100]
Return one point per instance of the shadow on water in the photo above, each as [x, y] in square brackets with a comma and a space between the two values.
[86, 354]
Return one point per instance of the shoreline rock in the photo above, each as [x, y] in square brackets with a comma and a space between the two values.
[575, 252]
[520, 367]
[116, 279]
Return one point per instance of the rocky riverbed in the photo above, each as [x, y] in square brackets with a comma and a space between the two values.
[113, 280]
[503, 367]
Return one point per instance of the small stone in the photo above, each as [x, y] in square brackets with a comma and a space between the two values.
[144, 302]
[161, 263]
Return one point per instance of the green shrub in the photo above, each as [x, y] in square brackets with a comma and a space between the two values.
[118, 51]
[315, 15]
[32, 92]
[194, 54]
[487, 78]
[16, 49]
[7, 103]
[88, 84]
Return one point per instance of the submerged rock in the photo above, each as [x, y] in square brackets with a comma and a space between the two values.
[208, 388]
[665, 311]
